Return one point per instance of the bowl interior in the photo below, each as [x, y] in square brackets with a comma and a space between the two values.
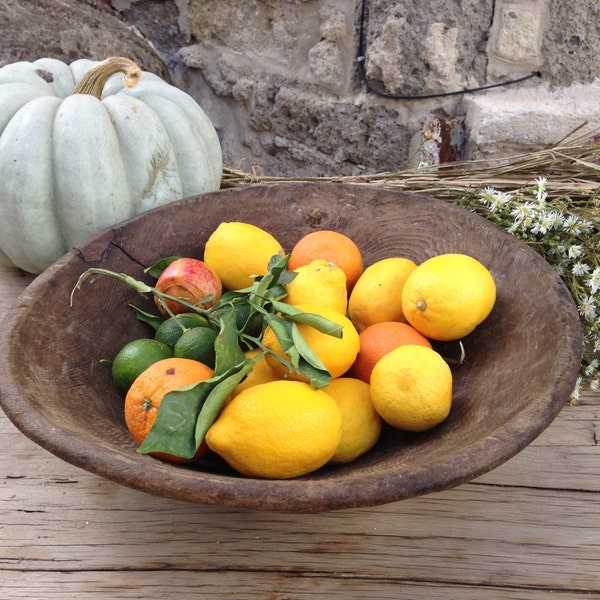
[520, 367]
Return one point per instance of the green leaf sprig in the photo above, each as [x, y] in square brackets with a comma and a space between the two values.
[184, 416]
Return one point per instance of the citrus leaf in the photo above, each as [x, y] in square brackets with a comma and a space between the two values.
[302, 358]
[282, 330]
[173, 431]
[305, 351]
[278, 264]
[158, 267]
[227, 346]
[316, 377]
[276, 269]
[320, 323]
[277, 292]
[217, 397]
[155, 321]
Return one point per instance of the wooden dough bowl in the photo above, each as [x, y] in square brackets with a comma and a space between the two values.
[521, 363]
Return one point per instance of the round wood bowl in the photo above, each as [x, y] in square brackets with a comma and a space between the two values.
[521, 363]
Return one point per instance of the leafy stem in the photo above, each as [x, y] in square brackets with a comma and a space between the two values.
[185, 415]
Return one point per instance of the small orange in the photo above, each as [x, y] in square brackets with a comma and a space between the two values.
[332, 246]
[149, 388]
[379, 339]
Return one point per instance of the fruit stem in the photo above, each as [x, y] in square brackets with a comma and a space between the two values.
[92, 83]
[421, 304]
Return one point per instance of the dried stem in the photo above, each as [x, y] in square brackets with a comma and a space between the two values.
[571, 167]
[92, 83]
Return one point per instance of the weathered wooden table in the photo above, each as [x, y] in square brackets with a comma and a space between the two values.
[529, 529]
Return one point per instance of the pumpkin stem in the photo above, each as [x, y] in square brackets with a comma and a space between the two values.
[93, 81]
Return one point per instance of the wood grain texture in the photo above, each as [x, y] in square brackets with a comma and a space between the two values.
[61, 526]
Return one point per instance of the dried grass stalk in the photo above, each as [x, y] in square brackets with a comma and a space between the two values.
[571, 167]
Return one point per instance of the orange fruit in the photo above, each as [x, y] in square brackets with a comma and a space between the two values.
[149, 388]
[379, 339]
[332, 246]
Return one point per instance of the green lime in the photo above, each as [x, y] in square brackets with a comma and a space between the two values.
[172, 329]
[134, 358]
[198, 344]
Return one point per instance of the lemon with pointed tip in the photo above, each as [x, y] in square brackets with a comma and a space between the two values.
[277, 430]
[319, 282]
[446, 297]
[237, 252]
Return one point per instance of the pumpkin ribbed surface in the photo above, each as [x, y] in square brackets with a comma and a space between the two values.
[72, 165]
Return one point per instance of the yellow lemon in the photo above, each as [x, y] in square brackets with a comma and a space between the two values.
[261, 372]
[337, 354]
[277, 430]
[377, 295]
[361, 423]
[319, 282]
[238, 251]
[447, 296]
[411, 388]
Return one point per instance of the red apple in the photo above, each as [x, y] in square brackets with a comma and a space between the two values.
[191, 280]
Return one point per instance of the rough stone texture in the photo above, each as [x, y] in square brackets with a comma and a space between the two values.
[281, 83]
[415, 49]
[281, 80]
[516, 37]
[68, 30]
[494, 128]
[572, 41]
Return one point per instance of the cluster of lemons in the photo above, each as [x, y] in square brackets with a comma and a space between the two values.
[384, 368]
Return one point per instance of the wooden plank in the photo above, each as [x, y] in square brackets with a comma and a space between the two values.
[60, 518]
[564, 456]
[227, 585]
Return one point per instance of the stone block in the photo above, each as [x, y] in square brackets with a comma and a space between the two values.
[512, 121]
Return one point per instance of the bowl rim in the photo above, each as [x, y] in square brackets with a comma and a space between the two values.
[293, 495]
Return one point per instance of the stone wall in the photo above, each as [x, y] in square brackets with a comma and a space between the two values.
[281, 81]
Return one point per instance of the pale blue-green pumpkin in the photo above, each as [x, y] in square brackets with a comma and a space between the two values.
[86, 145]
